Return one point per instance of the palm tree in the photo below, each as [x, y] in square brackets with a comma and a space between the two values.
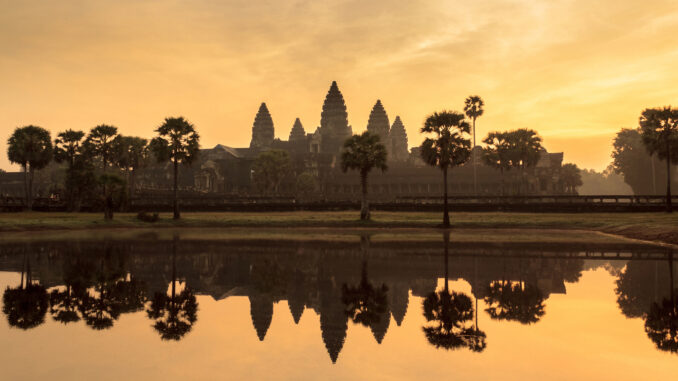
[571, 178]
[363, 153]
[526, 148]
[130, 155]
[473, 107]
[177, 142]
[451, 313]
[30, 147]
[659, 129]
[497, 153]
[99, 143]
[174, 315]
[450, 146]
[68, 148]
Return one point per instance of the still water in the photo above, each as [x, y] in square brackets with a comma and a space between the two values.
[369, 305]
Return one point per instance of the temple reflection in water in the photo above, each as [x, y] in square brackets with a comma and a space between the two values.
[357, 280]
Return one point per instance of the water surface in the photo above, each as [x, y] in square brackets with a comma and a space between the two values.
[382, 305]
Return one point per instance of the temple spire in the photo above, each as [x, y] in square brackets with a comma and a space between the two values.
[334, 126]
[398, 139]
[378, 123]
[262, 130]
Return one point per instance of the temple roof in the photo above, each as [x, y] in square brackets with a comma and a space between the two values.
[297, 131]
[262, 129]
[334, 117]
[378, 122]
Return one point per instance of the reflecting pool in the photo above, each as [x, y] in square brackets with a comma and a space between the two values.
[321, 304]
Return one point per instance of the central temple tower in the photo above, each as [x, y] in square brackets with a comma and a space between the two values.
[334, 128]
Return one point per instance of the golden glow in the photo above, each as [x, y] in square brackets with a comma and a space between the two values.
[575, 71]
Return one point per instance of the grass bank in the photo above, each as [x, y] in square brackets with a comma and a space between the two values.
[660, 227]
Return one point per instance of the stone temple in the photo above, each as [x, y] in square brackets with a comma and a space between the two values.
[227, 171]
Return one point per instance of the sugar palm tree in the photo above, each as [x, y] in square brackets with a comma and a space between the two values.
[178, 142]
[30, 147]
[130, 155]
[659, 129]
[99, 144]
[363, 153]
[449, 147]
[473, 108]
[497, 153]
[526, 148]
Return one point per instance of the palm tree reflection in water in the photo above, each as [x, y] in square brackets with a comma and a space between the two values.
[450, 315]
[661, 324]
[366, 304]
[25, 305]
[174, 314]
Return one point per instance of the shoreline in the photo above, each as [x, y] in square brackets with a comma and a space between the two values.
[650, 227]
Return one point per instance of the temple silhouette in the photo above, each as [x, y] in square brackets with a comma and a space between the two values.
[227, 170]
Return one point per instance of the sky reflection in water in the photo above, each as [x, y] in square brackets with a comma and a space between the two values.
[362, 307]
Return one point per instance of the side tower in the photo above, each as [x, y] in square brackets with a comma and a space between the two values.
[378, 124]
[334, 126]
[398, 137]
[298, 139]
[262, 129]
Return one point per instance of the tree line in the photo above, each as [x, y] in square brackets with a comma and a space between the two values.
[448, 145]
[102, 163]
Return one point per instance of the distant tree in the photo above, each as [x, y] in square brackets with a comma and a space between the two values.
[632, 160]
[525, 148]
[307, 184]
[363, 153]
[130, 155]
[497, 153]
[570, 175]
[67, 147]
[80, 179]
[449, 147]
[659, 130]
[473, 108]
[99, 145]
[30, 147]
[270, 169]
[179, 143]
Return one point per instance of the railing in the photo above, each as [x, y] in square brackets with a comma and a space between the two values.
[559, 203]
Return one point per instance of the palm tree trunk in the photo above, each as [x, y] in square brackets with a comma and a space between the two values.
[475, 171]
[26, 191]
[364, 204]
[446, 212]
[669, 207]
[654, 177]
[175, 202]
[446, 240]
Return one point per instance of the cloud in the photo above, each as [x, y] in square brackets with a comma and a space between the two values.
[567, 68]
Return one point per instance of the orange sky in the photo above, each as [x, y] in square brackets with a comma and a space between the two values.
[575, 71]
